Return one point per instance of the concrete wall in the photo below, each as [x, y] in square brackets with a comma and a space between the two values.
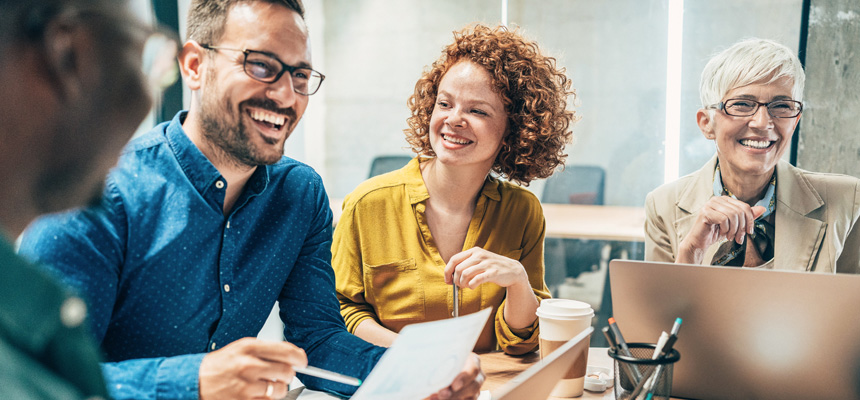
[829, 139]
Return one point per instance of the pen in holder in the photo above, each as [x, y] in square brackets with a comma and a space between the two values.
[656, 374]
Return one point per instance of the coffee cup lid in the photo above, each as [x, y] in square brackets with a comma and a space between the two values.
[564, 308]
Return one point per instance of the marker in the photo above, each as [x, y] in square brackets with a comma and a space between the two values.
[677, 326]
[619, 338]
[660, 343]
[328, 375]
[654, 380]
[626, 368]
[667, 347]
[622, 345]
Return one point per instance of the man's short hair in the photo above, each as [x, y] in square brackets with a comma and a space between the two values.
[748, 62]
[207, 18]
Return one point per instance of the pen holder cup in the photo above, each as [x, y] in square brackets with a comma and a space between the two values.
[628, 387]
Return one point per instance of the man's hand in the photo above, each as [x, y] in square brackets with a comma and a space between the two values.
[250, 369]
[722, 217]
[467, 384]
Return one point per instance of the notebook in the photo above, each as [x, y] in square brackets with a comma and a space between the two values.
[536, 382]
[746, 334]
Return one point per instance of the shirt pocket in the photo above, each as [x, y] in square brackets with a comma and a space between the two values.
[396, 289]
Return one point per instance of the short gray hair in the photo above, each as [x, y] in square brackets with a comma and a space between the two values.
[747, 62]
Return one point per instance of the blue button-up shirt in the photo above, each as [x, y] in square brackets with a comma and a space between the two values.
[169, 277]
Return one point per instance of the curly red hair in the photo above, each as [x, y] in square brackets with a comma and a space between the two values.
[533, 89]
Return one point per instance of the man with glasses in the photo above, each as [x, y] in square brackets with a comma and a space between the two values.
[73, 94]
[747, 207]
[205, 224]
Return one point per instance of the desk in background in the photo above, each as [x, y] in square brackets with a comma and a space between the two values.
[573, 221]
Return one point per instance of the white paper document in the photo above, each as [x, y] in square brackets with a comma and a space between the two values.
[423, 359]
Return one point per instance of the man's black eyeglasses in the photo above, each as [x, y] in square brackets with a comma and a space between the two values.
[265, 67]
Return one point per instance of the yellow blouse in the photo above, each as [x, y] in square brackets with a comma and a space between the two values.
[388, 268]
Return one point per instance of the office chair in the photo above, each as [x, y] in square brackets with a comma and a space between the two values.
[388, 163]
[566, 259]
[576, 184]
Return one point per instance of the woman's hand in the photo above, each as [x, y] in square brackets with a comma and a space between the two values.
[475, 266]
[722, 217]
[467, 384]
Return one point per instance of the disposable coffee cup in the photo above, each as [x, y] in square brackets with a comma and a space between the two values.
[561, 320]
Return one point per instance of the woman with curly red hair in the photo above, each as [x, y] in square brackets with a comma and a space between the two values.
[490, 111]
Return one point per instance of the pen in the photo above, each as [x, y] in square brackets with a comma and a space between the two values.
[328, 375]
[677, 326]
[456, 303]
[622, 345]
[609, 339]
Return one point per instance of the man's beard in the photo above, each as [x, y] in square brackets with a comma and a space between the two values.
[232, 138]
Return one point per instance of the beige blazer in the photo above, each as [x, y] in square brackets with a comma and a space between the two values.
[816, 219]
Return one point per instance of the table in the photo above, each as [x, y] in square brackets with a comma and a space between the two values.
[574, 221]
[500, 368]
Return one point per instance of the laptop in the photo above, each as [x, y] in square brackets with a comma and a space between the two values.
[746, 334]
[536, 382]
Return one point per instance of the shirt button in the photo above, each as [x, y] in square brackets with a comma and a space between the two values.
[213, 345]
[72, 312]
[219, 184]
[226, 288]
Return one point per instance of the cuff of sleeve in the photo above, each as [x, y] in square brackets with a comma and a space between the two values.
[178, 377]
[515, 341]
[353, 316]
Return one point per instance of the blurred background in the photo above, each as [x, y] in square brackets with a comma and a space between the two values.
[635, 65]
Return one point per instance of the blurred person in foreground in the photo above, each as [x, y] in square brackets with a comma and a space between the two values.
[204, 225]
[748, 207]
[491, 112]
[73, 94]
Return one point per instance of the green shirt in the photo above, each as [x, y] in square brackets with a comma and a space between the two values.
[46, 351]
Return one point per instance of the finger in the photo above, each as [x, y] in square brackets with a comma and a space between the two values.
[758, 211]
[469, 391]
[484, 277]
[253, 369]
[729, 214]
[469, 270]
[272, 390]
[466, 270]
[282, 352]
[259, 389]
[450, 273]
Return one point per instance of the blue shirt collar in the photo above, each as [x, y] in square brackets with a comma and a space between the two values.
[199, 170]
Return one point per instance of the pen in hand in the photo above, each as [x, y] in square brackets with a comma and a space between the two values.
[456, 300]
[328, 375]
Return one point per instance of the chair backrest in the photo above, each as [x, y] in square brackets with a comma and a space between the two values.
[577, 184]
[383, 164]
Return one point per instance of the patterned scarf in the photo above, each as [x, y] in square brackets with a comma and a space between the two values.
[732, 253]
